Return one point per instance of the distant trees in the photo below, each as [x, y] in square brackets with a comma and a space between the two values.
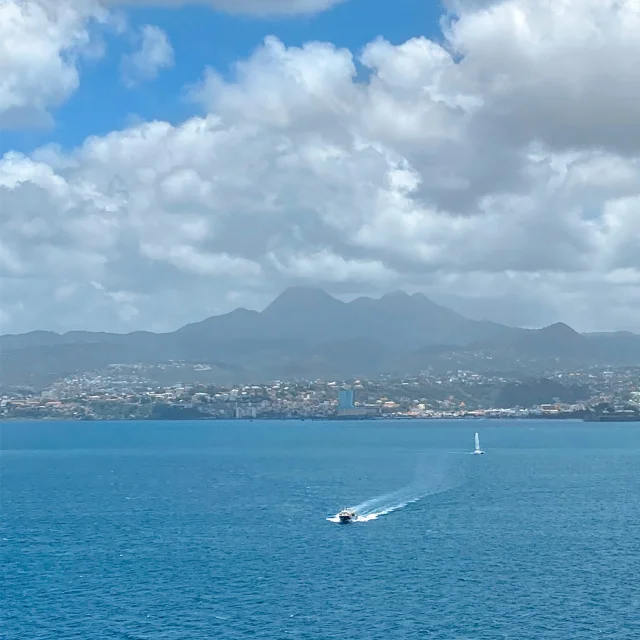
[603, 407]
[173, 412]
[529, 393]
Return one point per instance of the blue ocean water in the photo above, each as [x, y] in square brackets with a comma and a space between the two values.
[191, 531]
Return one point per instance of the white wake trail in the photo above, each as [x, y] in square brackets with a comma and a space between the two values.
[430, 479]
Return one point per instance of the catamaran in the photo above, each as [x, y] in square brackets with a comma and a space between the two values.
[478, 451]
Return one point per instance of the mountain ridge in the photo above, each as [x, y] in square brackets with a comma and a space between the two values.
[80, 335]
[306, 332]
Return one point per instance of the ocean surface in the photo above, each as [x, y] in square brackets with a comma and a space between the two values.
[195, 531]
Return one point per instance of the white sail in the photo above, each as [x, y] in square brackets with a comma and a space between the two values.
[477, 443]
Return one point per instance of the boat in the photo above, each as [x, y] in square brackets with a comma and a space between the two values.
[347, 515]
[478, 451]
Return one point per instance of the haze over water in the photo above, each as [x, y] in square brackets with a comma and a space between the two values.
[170, 531]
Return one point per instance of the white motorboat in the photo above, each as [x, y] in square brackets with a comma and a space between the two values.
[347, 515]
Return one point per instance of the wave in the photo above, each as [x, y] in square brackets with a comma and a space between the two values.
[430, 480]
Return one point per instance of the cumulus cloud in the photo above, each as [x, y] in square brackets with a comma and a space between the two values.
[263, 8]
[569, 77]
[40, 44]
[445, 170]
[329, 267]
[154, 54]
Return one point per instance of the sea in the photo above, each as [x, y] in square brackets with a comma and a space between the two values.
[225, 530]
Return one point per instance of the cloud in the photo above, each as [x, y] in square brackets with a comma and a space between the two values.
[154, 54]
[187, 258]
[259, 8]
[442, 169]
[539, 62]
[41, 42]
[325, 266]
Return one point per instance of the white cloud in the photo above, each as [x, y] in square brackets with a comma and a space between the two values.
[189, 259]
[326, 266]
[40, 44]
[559, 71]
[445, 170]
[261, 8]
[154, 54]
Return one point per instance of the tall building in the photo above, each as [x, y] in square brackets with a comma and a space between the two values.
[246, 411]
[345, 399]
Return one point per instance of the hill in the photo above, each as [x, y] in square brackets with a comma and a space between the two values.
[305, 332]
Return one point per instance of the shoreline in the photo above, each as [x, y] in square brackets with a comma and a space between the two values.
[333, 419]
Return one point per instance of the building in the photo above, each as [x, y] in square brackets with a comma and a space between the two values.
[245, 411]
[346, 399]
[347, 408]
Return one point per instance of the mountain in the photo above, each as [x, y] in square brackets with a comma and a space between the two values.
[560, 344]
[305, 332]
[307, 315]
[557, 340]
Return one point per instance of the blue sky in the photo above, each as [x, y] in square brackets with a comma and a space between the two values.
[201, 37]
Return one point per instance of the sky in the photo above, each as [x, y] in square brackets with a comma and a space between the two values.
[162, 161]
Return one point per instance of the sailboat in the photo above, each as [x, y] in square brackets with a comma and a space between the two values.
[478, 451]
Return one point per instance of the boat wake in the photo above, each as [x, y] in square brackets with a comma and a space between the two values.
[429, 481]
[382, 505]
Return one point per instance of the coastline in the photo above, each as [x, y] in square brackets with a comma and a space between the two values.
[538, 418]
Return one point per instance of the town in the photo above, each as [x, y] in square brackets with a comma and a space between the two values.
[132, 392]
